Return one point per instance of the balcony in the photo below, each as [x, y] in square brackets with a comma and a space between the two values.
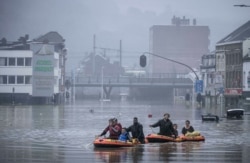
[207, 66]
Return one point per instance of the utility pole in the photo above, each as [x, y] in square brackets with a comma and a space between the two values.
[120, 53]
[94, 48]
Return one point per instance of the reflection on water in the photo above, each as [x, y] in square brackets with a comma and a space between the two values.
[134, 154]
[112, 155]
[65, 134]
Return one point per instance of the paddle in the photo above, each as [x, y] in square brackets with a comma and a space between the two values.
[152, 130]
[91, 144]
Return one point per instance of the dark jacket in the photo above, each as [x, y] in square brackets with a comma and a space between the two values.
[185, 130]
[176, 133]
[137, 131]
[166, 127]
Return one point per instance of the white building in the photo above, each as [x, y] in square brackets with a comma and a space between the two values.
[207, 69]
[15, 73]
[25, 75]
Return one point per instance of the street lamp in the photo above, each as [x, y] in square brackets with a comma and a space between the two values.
[143, 63]
[242, 5]
[102, 85]
[13, 96]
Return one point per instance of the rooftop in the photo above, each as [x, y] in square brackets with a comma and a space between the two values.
[240, 34]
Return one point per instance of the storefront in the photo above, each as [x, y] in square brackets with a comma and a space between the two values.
[232, 97]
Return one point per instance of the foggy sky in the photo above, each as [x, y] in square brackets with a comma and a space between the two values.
[113, 20]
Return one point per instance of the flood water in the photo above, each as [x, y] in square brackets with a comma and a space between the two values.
[65, 134]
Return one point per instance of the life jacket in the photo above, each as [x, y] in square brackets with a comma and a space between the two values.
[124, 137]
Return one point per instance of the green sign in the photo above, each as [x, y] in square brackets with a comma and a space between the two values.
[43, 71]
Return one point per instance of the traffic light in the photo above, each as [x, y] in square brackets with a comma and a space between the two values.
[143, 60]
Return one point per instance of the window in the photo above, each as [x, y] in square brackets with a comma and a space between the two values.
[231, 59]
[3, 61]
[20, 61]
[239, 59]
[12, 61]
[12, 79]
[3, 79]
[244, 79]
[248, 80]
[235, 59]
[20, 79]
[27, 79]
[27, 61]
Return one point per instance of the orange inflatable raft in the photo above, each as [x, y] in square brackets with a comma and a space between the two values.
[107, 143]
[192, 138]
[155, 138]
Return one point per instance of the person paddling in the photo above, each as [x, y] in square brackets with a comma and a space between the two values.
[114, 130]
[166, 126]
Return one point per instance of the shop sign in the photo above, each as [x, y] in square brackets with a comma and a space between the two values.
[233, 91]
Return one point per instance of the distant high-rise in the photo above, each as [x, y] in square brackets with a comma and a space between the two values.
[179, 41]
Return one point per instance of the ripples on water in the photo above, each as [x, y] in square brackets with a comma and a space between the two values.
[65, 134]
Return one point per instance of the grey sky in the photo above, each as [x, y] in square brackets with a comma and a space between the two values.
[114, 20]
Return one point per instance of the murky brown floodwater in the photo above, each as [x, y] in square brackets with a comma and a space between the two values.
[65, 134]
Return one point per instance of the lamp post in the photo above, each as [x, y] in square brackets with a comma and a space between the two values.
[143, 63]
[102, 85]
[73, 89]
[13, 96]
[242, 5]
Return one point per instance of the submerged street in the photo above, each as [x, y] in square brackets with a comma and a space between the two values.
[65, 134]
[68, 67]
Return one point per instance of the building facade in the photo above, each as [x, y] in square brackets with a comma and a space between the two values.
[246, 80]
[207, 70]
[15, 75]
[18, 68]
[179, 41]
[231, 51]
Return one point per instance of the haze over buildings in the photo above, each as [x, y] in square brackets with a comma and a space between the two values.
[183, 41]
[113, 20]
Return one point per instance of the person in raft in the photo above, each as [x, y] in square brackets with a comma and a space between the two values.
[119, 125]
[124, 136]
[187, 128]
[166, 126]
[114, 130]
[175, 126]
[136, 130]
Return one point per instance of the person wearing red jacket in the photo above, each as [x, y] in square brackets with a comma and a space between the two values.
[113, 129]
[119, 124]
